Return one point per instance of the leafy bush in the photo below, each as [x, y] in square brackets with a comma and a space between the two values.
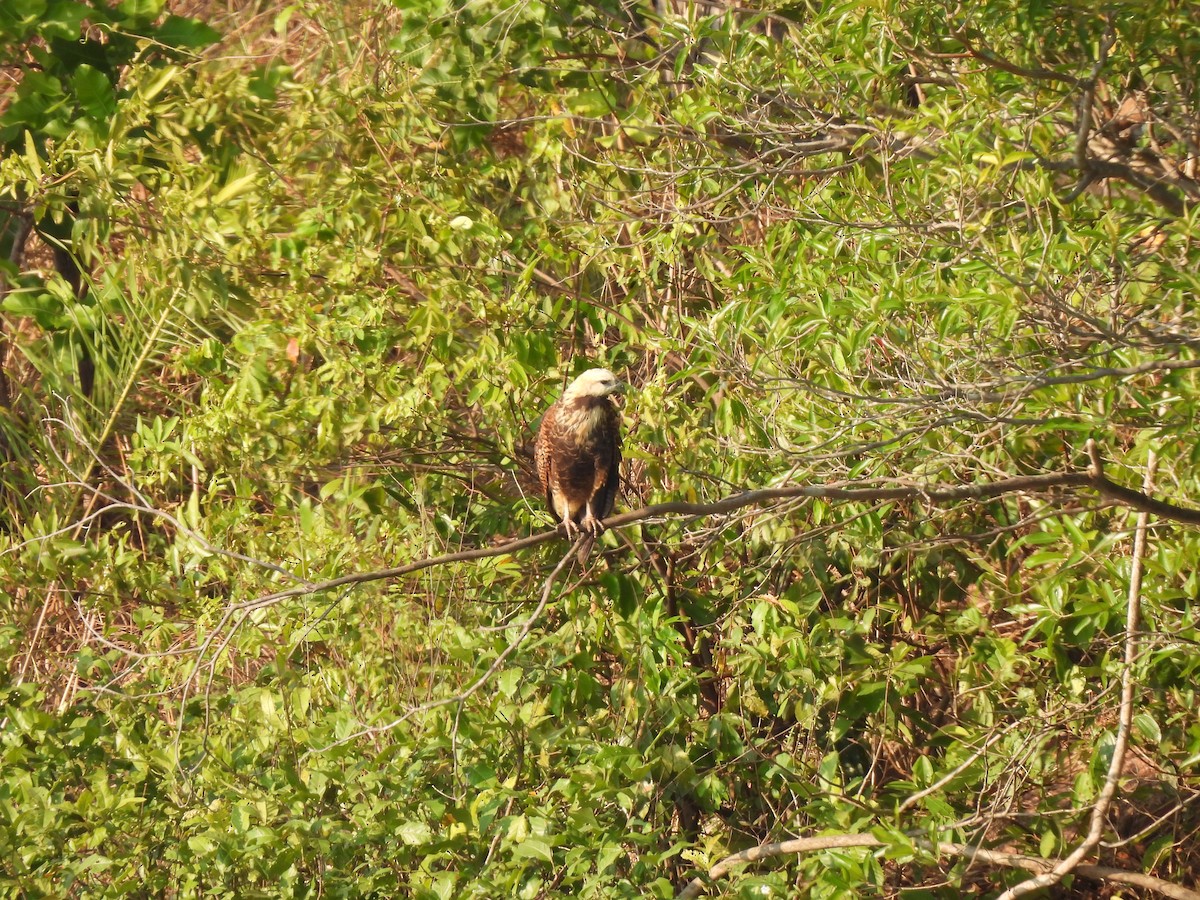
[332, 270]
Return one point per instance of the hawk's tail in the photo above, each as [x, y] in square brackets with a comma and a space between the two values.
[585, 548]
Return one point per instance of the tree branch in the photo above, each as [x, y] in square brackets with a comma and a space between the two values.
[217, 639]
[991, 392]
[1087, 98]
[697, 886]
[1022, 484]
[996, 61]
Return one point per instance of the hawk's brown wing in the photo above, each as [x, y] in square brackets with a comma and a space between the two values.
[543, 456]
[605, 496]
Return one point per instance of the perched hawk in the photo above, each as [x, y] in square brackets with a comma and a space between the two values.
[578, 452]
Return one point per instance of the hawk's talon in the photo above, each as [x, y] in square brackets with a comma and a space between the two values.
[591, 525]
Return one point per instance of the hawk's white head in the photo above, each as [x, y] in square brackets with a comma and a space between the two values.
[593, 383]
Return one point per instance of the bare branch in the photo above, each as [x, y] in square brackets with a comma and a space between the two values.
[1022, 484]
[988, 392]
[1087, 98]
[697, 886]
[917, 796]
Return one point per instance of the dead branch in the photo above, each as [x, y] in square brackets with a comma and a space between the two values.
[697, 886]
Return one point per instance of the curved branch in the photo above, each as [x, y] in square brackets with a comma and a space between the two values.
[991, 58]
[1047, 872]
[991, 393]
[1022, 484]
[697, 886]
[1093, 478]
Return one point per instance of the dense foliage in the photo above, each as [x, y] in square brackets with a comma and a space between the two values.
[286, 291]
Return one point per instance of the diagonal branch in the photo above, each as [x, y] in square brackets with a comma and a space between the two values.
[991, 58]
[465, 694]
[1093, 478]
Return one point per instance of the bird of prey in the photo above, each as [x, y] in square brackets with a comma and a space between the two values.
[578, 452]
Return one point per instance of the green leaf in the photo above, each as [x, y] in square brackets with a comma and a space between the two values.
[201, 844]
[1148, 728]
[1048, 844]
[508, 681]
[32, 158]
[534, 848]
[239, 818]
[414, 833]
[191, 34]
[16, 14]
[94, 92]
[140, 9]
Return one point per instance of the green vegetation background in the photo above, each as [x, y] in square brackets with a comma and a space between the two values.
[286, 291]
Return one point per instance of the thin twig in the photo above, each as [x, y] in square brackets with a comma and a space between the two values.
[1087, 97]
[917, 796]
[483, 679]
[995, 60]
